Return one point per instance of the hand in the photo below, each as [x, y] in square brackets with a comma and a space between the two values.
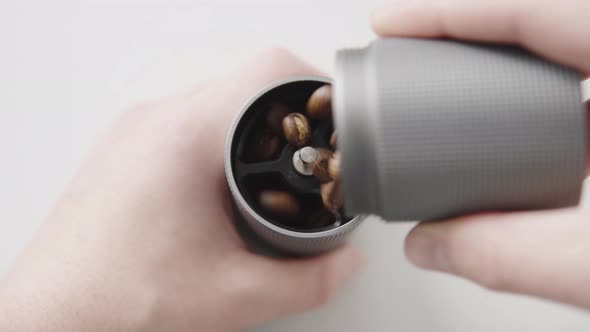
[142, 239]
[544, 254]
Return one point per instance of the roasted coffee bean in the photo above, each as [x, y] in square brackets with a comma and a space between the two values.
[274, 117]
[334, 166]
[331, 195]
[320, 218]
[319, 166]
[296, 129]
[279, 203]
[333, 140]
[265, 146]
[319, 105]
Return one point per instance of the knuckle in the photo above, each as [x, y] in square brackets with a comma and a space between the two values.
[241, 283]
[478, 261]
[485, 272]
[324, 287]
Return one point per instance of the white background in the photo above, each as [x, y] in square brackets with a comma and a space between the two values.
[68, 67]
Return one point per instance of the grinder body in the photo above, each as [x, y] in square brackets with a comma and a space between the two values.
[431, 129]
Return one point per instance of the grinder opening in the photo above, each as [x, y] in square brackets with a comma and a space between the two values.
[265, 160]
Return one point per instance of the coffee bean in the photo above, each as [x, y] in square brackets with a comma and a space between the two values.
[333, 140]
[319, 105]
[319, 166]
[265, 146]
[274, 117]
[279, 203]
[296, 129]
[331, 195]
[334, 166]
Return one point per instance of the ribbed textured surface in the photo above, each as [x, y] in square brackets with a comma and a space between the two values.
[461, 128]
[294, 244]
[314, 243]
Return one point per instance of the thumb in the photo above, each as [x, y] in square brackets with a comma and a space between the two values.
[292, 286]
[543, 254]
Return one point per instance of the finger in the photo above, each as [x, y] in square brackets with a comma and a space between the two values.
[543, 254]
[292, 286]
[558, 30]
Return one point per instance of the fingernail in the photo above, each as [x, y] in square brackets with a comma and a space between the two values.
[346, 265]
[424, 248]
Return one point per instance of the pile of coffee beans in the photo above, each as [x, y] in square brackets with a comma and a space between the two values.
[322, 162]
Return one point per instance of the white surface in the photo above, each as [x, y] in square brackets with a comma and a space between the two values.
[68, 67]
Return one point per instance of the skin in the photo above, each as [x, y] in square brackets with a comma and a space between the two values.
[142, 238]
[543, 254]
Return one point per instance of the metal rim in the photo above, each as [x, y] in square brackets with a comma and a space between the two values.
[233, 186]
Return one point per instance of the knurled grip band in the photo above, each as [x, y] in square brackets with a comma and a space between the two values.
[430, 129]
